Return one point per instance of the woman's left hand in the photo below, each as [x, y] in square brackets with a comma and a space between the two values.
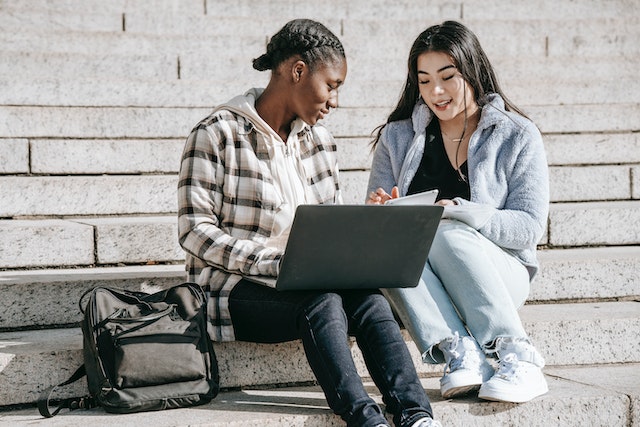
[446, 202]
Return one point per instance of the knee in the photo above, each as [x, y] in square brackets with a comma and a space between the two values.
[454, 240]
[326, 305]
[373, 308]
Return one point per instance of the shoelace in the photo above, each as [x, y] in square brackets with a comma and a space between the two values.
[457, 361]
[454, 361]
[508, 366]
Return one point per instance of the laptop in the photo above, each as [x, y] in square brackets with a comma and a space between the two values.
[338, 247]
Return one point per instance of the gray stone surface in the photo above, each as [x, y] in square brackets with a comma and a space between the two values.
[591, 149]
[56, 21]
[622, 379]
[565, 334]
[14, 156]
[88, 195]
[165, 22]
[69, 122]
[136, 239]
[90, 92]
[131, 45]
[194, 66]
[584, 118]
[570, 402]
[537, 10]
[94, 87]
[114, 6]
[587, 273]
[354, 153]
[122, 156]
[588, 183]
[361, 89]
[594, 223]
[571, 91]
[132, 156]
[36, 64]
[44, 243]
[133, 123]
[589, 333]
[354, 186]
[50, 297]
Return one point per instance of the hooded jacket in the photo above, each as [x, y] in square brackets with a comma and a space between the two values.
[238, 187]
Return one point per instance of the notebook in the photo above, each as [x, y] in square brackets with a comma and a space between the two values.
[333, 247]
[424, 198]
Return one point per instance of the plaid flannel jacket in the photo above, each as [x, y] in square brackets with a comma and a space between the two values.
[227, 201]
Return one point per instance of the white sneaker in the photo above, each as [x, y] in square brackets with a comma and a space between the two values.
[519, 377]
[426, 422]
[466, 367]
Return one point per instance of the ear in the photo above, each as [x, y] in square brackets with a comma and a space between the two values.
[298, 69]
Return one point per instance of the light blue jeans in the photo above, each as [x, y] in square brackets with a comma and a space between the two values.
[469, 285]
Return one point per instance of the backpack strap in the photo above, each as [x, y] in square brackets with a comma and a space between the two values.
[71, 403]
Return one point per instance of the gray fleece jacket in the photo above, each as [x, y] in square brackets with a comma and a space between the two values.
[507, 172]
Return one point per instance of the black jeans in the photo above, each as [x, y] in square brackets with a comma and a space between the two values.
[324, 321]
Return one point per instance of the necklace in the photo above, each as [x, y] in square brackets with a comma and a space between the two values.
[457, 141]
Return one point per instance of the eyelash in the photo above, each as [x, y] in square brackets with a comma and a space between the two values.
[444, 78]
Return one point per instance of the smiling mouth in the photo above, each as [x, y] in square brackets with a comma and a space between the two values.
[442, 104]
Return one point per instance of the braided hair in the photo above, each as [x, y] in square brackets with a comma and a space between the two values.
[310, 40]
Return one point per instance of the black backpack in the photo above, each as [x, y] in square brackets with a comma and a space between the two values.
[143, 352]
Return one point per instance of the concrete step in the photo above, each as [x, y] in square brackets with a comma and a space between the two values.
[82, 20]
[27, 243]
[122, 43]
[533, 38]
[566, 334]
[61, 7]
[88, 195]
[362, 91]
[59, 290]
[591, 183]
[587, 273]
[592, 149]
[576, 398]
[149, 156]
[48, 297]
[105, 65]
[165, 123]
[594, 223]
[375, 9]
[156, 194]
[126, 156]
[89, 241]
[538, 38]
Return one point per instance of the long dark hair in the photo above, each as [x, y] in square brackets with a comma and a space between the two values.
[462, 45]
[310, 40]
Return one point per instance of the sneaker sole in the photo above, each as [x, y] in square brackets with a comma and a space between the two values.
[496, 396]
[459, 391]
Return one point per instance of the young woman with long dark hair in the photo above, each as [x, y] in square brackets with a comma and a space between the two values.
[454, 130]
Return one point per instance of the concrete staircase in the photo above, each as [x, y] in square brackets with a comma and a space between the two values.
[96, 99]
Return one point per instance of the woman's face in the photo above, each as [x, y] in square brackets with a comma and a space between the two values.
[442, 87]
[317, 92]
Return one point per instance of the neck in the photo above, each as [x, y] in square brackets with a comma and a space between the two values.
[456, 128]
[271, 107]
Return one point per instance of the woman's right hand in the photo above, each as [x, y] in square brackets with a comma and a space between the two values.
[379, 197]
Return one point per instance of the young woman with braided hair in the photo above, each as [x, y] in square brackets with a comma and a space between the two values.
[245, 169]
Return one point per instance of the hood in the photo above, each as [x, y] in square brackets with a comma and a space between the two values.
[245, 105]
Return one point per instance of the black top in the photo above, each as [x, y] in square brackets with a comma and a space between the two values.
[435, 170]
